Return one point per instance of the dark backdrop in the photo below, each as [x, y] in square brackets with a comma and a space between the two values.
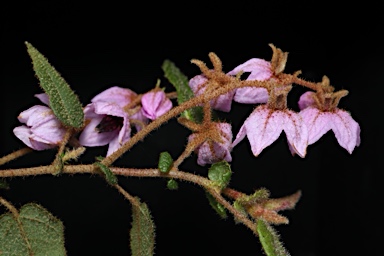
[96, 45]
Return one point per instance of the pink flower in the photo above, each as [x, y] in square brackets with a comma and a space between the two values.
[155, 104]
[222, 103]
[265, 125]
[109, 124]
[211, 152]
[259, 70]
[42, 130]
[319, 122]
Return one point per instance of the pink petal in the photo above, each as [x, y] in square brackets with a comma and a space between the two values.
[260, 69]
[306, 100]
[222, 103]
[36, 115]
[318, 123]
[251, 95]
[347, 130]
[118, 95]
[23, 133]
[296, 132]
[50, 131]
[108, 108]
[118, 141]
[43, 97]
[91, 137]
[155, 104]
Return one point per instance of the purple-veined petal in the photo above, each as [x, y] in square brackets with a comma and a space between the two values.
[155, 104]
[91, 137]
[118, 141]
[306, 100]
[118, 95]
[108, 108]
[39, 143]
[296, 132]
[240, 136]
[347, 130]
[318, 123]
[23, 133]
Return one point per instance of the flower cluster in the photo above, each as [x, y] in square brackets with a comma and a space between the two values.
[113, 113]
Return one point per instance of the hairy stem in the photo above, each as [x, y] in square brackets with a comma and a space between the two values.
[14, 155]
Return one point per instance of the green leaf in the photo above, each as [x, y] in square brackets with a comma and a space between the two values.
[184, 92]
[219, 208]
[62, 100]
[165, 162]
[142, 233]
[4, 185]
[34, 232]
[220, 173]
[172, 184]
[259, 195]
[109, 176]
[270, 239]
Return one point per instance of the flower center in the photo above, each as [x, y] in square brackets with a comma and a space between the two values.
[109, 124]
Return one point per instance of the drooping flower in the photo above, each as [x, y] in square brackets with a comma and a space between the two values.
[320, 114]
[222, 103]
[42, 130]
[155, 104]
[211, 151]
[108, 122]
[259, 70]
[267, 121]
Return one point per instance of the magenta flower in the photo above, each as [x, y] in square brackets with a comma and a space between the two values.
[211, 152]
[320, 120]
[259, 70]
[155, 104]
[42, 130]
[265, 125]
[109, 124]
[222, 103]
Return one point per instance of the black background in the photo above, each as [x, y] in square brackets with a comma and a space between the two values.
[97, 45]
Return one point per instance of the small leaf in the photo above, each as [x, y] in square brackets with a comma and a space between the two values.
[240, 208]
[260, 195]
[220, 173]
[172, 184]
[109, 176]
[219, 208]
[4, 185]
[34, 232]
[270, 240]
[142, 233]
[62, 100]
[165, 162]
[184, 91]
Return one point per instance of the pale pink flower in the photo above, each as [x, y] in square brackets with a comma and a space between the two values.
[259, 70]
[211, 153]
[42, 130]
[108, 123]
[222, 103]
[345, 128]
[155, 104]
[265, 125]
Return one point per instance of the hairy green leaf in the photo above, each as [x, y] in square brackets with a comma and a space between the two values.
[142, 233]
[62, 100]
[184, 92]
[4, 185]
[172, 184]
[220, 173]
[270, 239]
[109, 176]
[165, 162]
[219, 208]
[35, 231]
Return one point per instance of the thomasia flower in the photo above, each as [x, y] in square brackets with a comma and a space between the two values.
[212, 151]
[155, 104]
[222, 103]
[259, 70]
[267, 121]
[108, 121]
[42, 130]
[320, 114]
